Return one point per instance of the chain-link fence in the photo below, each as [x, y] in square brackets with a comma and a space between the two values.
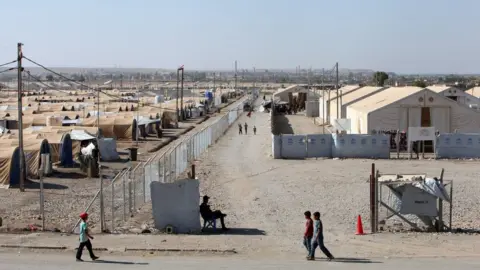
[130, 189]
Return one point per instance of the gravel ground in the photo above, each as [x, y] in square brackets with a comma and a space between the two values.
[68, 192]
[271, 195]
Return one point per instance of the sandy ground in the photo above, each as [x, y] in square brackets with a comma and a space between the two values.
[68, 191]
[269, 196]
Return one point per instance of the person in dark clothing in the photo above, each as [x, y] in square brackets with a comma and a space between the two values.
[307, 236]
[317, 240]
[246, 128]
[254, 130]
[239, 129]
[207, 213]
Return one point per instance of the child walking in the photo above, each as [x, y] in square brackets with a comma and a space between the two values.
[85, 239]
[318, 238]
[308, 235]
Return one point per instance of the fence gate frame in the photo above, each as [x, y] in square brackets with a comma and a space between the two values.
[376, 201]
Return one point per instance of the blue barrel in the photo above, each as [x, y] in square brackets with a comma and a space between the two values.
[209, 95]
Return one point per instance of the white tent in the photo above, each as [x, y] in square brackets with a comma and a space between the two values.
[398, 108]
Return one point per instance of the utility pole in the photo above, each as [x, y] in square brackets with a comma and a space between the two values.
[336, 87]
[214, 89]
[176, 101]
[235, 75]
[102, 207]
[20, 118]
[181, 95]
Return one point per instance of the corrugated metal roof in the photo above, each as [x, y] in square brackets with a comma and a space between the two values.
[475, 91]
[353, 95]
[384, 98]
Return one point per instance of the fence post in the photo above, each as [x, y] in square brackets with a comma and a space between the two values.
[130, 202]
[170, 167]
[124, 197]
[143, 183]
[164, 169]
[113, 205]
[134, 189]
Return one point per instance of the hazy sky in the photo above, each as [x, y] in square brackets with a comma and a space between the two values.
[413, 36]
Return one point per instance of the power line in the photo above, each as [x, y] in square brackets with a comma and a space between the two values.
[7, 70]
[6, 64]
[89, 87]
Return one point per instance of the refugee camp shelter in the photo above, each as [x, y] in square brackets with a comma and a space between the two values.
[329, 95]
[474, 91]
[33, 149]
[455, 94]
[398, 108]
[61, 148]
[9, 166]
[282, 94]
[340, 106]
[117, 127]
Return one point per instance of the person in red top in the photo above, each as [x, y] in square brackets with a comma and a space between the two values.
[308, 235]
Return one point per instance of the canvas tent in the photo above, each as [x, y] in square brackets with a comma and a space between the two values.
[61, 148]
[398, 108]
[113, 127]
[9, 166]
[340, 106]
[328, 95]
[33, 149]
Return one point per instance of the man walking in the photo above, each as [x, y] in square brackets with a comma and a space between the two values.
[254, 130]
[318, 238]
[85, 239]
[307, 236]
[239, 129]
[246, 127]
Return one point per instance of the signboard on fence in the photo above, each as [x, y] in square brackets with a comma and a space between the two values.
[420, 134]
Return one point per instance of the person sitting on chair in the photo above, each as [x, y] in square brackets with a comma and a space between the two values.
[207, 213]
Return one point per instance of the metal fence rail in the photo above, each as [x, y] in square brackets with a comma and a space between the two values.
[130, 189]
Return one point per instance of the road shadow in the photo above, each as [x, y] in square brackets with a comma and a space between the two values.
[119, 262]
[234, 231]
[350, 260]
[281, 125]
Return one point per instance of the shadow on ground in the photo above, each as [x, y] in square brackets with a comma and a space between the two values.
[119, 262]
[36, 185]
[281, 125]
[235, 231]
[350, 260]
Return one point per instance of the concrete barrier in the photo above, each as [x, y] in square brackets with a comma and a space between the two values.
[458, 145]
[361, 146]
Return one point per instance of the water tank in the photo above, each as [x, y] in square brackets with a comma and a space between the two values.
[158, 99]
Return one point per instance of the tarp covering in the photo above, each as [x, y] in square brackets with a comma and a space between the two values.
[9, 166]
[33, 149]
[81, 135]
[115, 127]
[108, 149]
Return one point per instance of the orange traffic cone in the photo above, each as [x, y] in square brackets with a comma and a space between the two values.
[359, 226]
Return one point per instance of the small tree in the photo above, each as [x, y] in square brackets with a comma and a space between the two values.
[419, 83]
[380, 77]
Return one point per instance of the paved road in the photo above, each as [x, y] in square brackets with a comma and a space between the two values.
[29, 261]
